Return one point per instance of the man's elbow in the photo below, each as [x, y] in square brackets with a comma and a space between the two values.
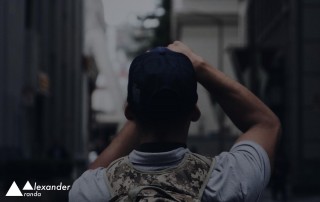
[273, 123]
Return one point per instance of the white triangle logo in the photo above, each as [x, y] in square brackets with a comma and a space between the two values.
[27, 186]
[14, 190]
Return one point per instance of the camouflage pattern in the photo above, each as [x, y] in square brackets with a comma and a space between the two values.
[184, 182]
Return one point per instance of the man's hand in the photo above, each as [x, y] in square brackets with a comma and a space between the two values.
[178, 46]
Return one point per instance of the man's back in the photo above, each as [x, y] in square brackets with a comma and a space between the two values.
[238, 175]
[184, 181]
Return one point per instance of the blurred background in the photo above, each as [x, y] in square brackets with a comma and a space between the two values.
[64, 67]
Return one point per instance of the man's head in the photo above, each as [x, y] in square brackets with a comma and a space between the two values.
[162, 87]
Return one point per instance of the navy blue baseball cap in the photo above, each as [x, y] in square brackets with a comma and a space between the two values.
[162, 85]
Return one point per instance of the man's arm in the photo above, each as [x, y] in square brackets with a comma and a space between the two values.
[123, 143]
[248, 113]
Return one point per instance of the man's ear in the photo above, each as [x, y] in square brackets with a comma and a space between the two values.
[195, 115]
[128, 112]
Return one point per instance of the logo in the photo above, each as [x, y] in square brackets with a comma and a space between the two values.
[14, 190]
[35, 191]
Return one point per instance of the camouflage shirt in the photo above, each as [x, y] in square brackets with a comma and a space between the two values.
[186, 181]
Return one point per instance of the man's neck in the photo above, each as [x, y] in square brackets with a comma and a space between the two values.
[164, 136]
[177, 134]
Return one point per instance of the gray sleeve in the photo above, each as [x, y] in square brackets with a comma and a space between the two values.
[90, 186]
[239, 175]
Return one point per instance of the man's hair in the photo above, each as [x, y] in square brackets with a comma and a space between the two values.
[162, 86]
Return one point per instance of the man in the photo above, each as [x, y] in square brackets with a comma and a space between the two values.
[161, 104]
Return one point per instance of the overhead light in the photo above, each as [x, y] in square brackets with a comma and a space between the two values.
[151, 23]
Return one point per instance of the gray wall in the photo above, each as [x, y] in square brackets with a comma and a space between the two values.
[12, 79]
[41, 36]
[287, 35]
[309, 72]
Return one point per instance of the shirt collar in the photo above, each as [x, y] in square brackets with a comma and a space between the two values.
[155, 147]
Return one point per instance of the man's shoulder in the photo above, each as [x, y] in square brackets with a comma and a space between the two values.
[245, 155]
[90, 185]
[243, 172]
